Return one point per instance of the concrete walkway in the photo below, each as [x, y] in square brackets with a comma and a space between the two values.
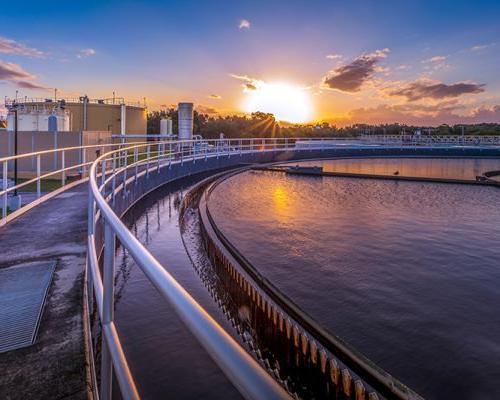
[54, 367]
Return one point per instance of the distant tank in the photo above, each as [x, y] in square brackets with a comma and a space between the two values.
[185, 111]
[41, 119]
[166, 126]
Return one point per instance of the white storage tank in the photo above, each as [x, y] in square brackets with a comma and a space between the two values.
[166, 126]
[185, 111]
[31, 119]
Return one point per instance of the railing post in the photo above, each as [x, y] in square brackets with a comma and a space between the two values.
[170, 155]
[103, 175]
[158, 155]
[136, 158]
[113, 179]
[63, 173]
[38, 180]
[124, 181]
[5, 185]
[90, 213]
[147, 160]
[107, 309]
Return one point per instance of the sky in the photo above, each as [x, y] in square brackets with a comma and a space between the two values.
[360, 61]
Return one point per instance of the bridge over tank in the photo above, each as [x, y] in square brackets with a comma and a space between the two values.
[61, 362]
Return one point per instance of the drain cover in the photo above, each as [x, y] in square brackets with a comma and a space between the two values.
[23, 289]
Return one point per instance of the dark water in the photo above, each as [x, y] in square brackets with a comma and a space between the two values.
[165, 359]
[406, 272]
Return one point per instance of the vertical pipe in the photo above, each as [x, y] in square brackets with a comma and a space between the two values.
[123, 116]
[84, 167]
[38, 173]
[107, 309]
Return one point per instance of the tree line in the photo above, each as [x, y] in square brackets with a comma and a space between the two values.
[260, 124]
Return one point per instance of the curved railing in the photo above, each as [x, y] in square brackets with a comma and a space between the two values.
[117, 178]
[116, 173]
[53, 168]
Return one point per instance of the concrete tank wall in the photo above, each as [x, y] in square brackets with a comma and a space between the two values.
[87, 117]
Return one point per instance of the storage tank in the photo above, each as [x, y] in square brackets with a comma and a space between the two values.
[166, 126]
[185, 111]
[32, 119]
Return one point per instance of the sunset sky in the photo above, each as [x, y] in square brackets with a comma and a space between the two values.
[419, 62]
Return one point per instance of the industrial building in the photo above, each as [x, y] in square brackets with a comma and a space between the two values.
[76, 115]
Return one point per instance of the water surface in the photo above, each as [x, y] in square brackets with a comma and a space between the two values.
[406, 272]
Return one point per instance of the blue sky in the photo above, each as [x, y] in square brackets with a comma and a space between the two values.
[360, 61]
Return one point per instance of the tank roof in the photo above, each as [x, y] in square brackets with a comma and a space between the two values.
[10, 103]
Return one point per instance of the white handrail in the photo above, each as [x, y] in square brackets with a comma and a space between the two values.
[243, 371]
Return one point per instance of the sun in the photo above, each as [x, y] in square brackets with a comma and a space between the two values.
[287, 102]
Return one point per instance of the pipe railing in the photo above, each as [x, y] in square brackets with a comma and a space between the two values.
[110, 175]
[69, 160]
[426, 139]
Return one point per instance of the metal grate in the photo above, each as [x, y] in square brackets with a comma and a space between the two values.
[23, 289]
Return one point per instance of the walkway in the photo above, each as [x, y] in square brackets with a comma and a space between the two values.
[54, 230]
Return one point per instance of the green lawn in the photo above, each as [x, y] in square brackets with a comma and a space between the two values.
[47, 185]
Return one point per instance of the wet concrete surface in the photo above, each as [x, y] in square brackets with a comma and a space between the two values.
[54, 367]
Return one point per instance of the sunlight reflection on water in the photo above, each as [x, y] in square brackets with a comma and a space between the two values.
[406, 272]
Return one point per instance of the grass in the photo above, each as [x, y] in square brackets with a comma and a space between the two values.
[47, 185]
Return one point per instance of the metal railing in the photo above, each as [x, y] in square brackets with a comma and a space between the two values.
[70, 167]
[425, 139]
[110, 176]
[116, 170]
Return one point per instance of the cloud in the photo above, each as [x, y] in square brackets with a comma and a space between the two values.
[403, 67]
[244, 24]
[30, 85]
[420, 115]
[435, 59]
[429, 89]
[334, 56]
[206, 109]
[9, 46]
[350, 77]
[15, 74]
[215, 97]
[249, 82]
[480, 47]
[84, 53]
